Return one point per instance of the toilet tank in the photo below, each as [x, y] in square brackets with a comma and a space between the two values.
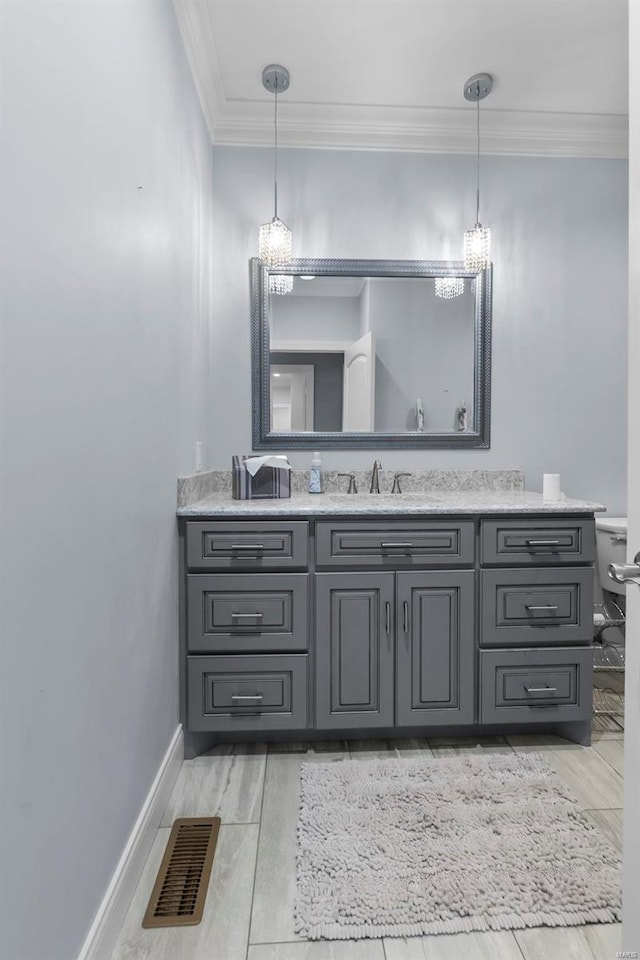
[611, 547]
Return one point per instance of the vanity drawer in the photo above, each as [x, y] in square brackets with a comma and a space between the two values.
[254, 545]
[530, 607]
[522, 686]
[247, 693]
[387, 544]
[230, 613]
[550, 541]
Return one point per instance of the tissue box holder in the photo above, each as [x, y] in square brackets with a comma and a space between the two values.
[269, 483]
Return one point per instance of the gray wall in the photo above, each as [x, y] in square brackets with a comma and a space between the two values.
[107, 182]
[560, 291]
[315, 318]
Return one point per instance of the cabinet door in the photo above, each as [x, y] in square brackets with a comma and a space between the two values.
[435, 648]
[354, 650]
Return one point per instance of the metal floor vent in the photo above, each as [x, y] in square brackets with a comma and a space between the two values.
[180, 890]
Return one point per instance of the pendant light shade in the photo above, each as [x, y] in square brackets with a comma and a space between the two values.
[274, 243]
[477, 248]
[280, 283]
[477, 242]
[447, 288]
[275, 250]
[275, 247]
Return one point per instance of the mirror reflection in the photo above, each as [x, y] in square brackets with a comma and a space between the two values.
[372, 354]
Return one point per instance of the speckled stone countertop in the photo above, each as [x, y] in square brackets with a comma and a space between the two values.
[430, 503]
[199, 486]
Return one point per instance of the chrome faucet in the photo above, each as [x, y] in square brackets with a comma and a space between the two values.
[375, 477]
[396, 488]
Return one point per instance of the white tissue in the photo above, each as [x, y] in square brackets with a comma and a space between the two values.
[253, 464]
[551, 487]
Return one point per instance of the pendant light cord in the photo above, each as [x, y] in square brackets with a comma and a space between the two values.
[275, 151]
[478, 163]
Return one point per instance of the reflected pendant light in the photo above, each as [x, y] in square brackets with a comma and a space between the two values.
[274, 237]
[449, 287]
[477, 242]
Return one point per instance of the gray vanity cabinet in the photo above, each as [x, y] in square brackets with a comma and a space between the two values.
[394, 649]
[548, 542]
[354, 643]
[536, 684]
[236, 613]
[537, 615]
[246, 631]
[536, 606]
[435, 680]
[367, 625]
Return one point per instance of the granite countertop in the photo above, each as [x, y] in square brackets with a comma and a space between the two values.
[221, 504]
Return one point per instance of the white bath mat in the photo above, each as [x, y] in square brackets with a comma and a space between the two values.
[398, 848]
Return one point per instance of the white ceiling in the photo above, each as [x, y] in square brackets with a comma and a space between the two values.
[389, 74]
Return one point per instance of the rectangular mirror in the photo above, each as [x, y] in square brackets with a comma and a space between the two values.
[370, 354]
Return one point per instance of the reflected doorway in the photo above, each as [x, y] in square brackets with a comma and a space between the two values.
[291, 397]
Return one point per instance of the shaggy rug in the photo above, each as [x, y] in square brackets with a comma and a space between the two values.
[399, 848]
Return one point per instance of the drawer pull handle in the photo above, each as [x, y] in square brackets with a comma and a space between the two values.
[396, 543]
[246, 616]
[405, 616]
[247, 546]
[387, 616]
[542, 543]
[541, 689]
[247, 696]
[547, 607]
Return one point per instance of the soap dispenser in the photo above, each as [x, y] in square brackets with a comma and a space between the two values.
[315, 474]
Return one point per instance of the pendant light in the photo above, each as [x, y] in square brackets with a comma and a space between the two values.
[477, 242]
[447, 288]
[274, 237]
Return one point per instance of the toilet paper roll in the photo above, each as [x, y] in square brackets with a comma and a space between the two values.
[551, 486]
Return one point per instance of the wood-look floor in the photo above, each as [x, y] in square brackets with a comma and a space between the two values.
[249, 909]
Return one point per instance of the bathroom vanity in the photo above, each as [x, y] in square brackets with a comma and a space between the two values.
[338, 616]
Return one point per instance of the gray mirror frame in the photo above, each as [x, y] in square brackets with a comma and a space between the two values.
[264, 439]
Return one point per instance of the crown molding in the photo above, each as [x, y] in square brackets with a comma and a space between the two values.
[407, 129]
[430, 131]
[200, 46]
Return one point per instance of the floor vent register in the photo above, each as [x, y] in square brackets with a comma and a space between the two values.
[180, 890]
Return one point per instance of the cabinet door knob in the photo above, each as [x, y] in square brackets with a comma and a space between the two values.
[387, 616]
[405, 616]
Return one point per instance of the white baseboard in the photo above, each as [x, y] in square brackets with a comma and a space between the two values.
[102, 936]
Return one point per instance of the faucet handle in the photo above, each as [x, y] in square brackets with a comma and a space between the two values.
[352, 482]
[396, 481]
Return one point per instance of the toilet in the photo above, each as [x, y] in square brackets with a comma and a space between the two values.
[611, 547]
